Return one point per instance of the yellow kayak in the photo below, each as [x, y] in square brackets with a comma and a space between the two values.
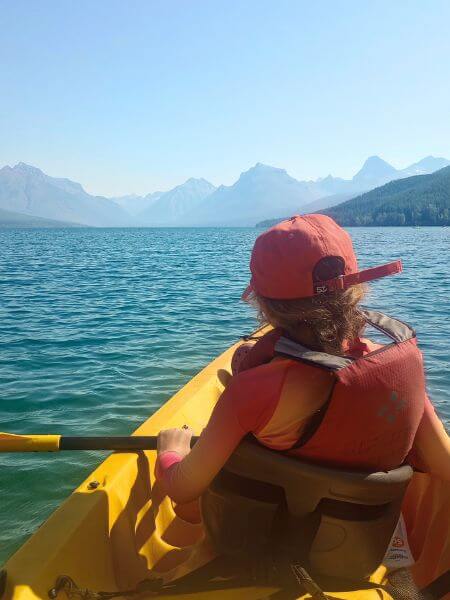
[117, 532]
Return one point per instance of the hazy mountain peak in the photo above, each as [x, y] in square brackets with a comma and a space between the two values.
[28, 190]
[375, 160]
[258, 192]
[135, 204]
[168, 207]
[152, 195]
[194, 183]
[25, 167]
[195, 180]
[429, 164]
[375, 163]
[23, 170]
[375, 169]
[261, 172]
[263, 168]
[21, 166]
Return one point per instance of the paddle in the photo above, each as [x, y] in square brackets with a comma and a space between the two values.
[10, 442]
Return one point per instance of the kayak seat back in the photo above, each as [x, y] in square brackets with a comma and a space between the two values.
[338, 523]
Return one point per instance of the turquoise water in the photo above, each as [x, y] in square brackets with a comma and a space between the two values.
[98, 327]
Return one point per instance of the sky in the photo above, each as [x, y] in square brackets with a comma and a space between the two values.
[138, 96]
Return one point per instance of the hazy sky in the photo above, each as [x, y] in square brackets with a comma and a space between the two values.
[134, 96]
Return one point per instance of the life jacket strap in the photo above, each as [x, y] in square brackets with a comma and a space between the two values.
[395, 330]
[288, 347]
[314, 422]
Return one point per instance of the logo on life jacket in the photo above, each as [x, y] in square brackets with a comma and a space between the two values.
[389, 411]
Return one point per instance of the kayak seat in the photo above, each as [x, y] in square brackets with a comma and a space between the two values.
[336, 523]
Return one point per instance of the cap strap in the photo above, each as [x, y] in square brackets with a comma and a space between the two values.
[345, 281]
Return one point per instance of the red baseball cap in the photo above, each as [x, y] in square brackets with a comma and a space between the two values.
[307, 255]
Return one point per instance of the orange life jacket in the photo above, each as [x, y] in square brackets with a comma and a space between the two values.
[375, 405]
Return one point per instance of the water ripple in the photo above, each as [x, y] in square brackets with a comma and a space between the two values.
[100, 327]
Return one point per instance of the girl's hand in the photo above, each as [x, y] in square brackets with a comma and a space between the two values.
[175, 440]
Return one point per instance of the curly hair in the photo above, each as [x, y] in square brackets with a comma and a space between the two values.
[324, 322]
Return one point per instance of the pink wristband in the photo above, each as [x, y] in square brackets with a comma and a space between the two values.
[165, 461]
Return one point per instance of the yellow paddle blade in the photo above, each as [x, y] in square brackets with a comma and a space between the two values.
[10, 442]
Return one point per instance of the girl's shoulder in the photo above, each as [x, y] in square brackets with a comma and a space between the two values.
[253, 393]
[253, 354]
[362, 346]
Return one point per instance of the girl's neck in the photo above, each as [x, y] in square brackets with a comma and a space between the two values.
[304, 336]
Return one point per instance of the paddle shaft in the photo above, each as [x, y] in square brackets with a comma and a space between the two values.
[55, 443]
[122, 443]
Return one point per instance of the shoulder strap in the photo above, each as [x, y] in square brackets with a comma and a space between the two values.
[393, 328]
[287, 347]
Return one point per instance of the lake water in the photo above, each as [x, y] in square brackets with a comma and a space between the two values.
[98, 327]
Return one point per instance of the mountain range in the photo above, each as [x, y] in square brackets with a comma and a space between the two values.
[29, 191]
[134, 204]
[174, 206]
[259, 193]
[417, 200]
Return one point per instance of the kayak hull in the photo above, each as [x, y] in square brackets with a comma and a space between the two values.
[118, 528]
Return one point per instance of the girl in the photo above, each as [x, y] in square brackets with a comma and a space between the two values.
[306, 284]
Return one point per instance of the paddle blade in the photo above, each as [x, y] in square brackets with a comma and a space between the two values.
[10, 442]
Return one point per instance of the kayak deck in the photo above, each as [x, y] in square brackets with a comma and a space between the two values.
[118, 529]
